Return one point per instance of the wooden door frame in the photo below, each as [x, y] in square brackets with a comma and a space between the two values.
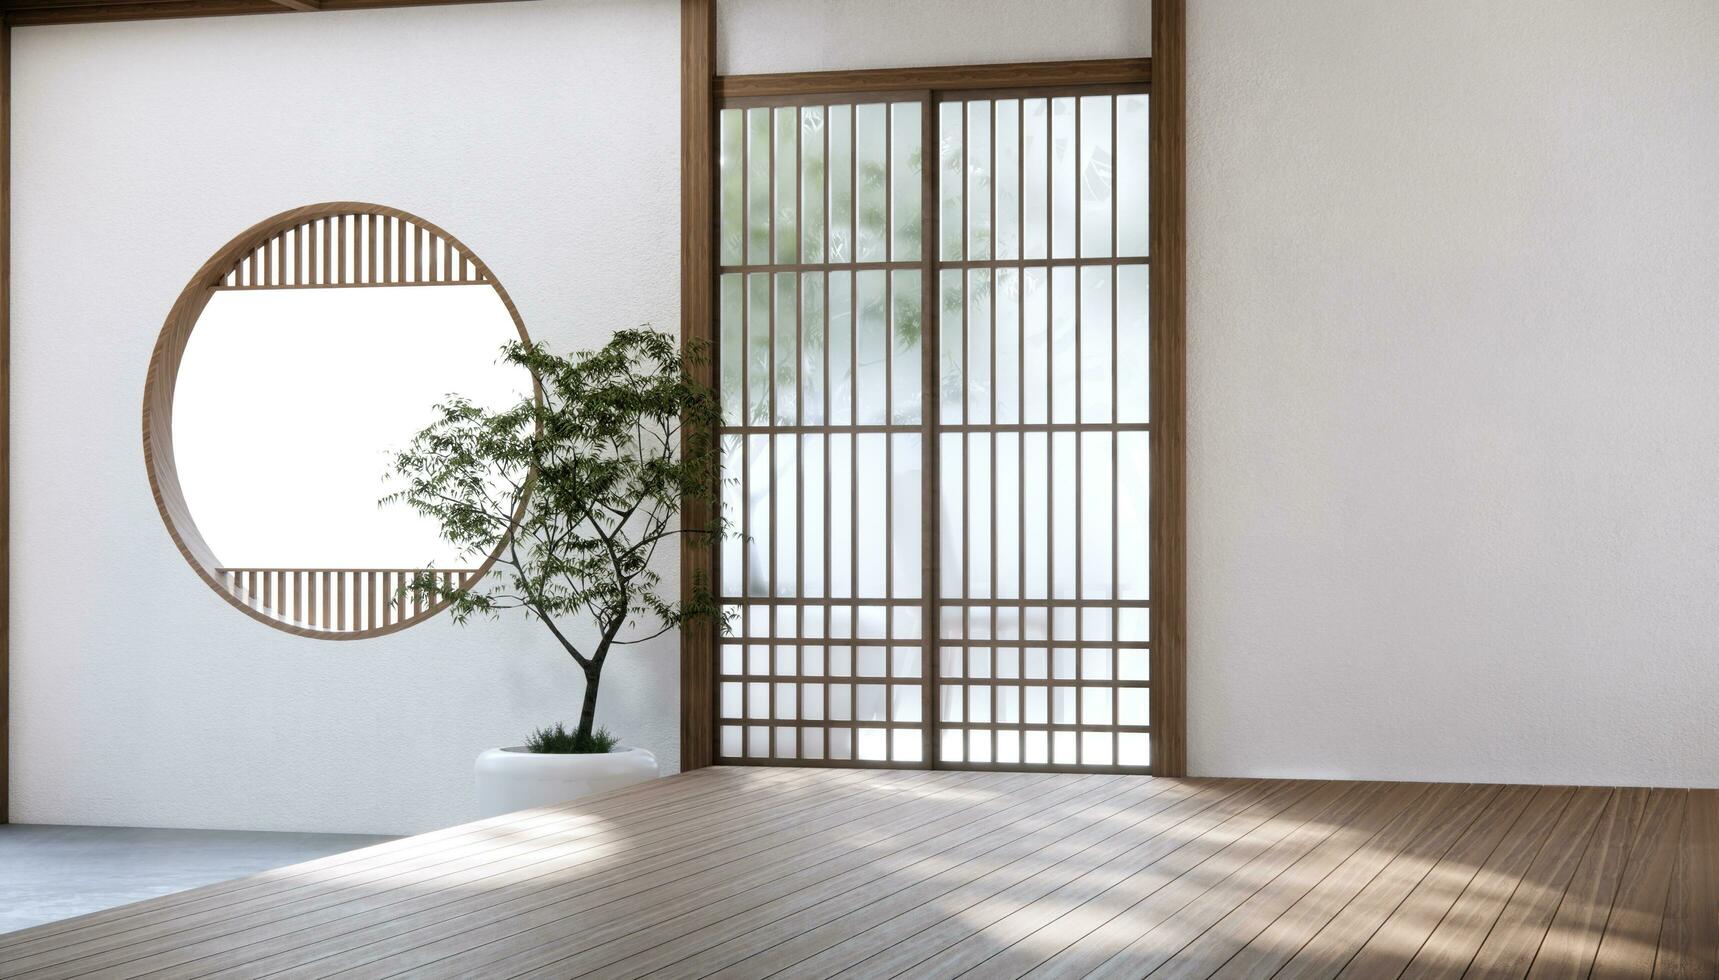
[5, 422]
[1167, 245]
[697, 323]
[701, 88]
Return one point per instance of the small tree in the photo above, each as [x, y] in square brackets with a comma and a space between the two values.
[581, 484]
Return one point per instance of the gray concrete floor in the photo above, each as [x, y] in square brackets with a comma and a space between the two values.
[49, 873]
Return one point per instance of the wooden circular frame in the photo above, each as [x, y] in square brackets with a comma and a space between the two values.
[163, 378]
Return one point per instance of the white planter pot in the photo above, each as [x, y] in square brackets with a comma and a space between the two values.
[515, 778]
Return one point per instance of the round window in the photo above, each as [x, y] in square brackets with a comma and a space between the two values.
[299, 356]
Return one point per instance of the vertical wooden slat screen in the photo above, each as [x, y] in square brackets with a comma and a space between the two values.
[938, 435]
[353, 250]
[317, 600]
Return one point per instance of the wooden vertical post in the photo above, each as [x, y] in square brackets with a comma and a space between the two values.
[5, 421]
[697, 288]
[1169, 525]
[931, 363]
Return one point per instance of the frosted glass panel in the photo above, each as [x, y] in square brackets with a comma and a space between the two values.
[1035, 511]
[952, 536]
[978, 518]
[841, 203]
[871, 514]
[874, 744]
[732, 347]
[979, 337]
[1009, 513]
[951, 154]
[1007, 178]
[1096, 498]
[1132, 338]
[757, 149]
[1132, 137]
[1064, 178]
[756, 518]
[812, 348]
[953, 347]
[979, 163]
[814, 471]
[1065, 515]
[732, 187]
[840, 312]
[907, 317]
[872, 181]
[1133, 536]
[1006, 345]
[787, 170]
[732, 549]
[758, 364]
[812, 189]
[784, 501]
[1064, 353]
[873, 355]
[841, 515]
[1097, 171]
[907, 183]
[1035, 336]
[1097, 359]
[906, 481]
[1035, 177]
[786, 340]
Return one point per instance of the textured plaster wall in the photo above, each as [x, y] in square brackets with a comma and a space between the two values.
[1452, 361]
[544, 135]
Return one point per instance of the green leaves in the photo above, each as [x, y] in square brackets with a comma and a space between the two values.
[558, 740]
[580, 483]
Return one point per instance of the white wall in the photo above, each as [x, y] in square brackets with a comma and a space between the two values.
[544, 135]
[1453, 432]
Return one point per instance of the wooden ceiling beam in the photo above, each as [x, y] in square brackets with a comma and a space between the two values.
[1035, 74]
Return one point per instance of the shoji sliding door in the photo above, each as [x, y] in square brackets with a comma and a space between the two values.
[821, 363]
[1042, 433]
[932, 354]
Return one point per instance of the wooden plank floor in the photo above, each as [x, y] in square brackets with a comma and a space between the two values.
[747, 873]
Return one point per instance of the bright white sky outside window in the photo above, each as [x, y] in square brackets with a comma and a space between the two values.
[289, 401]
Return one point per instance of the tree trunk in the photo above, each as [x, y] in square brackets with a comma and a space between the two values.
[588, 714]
